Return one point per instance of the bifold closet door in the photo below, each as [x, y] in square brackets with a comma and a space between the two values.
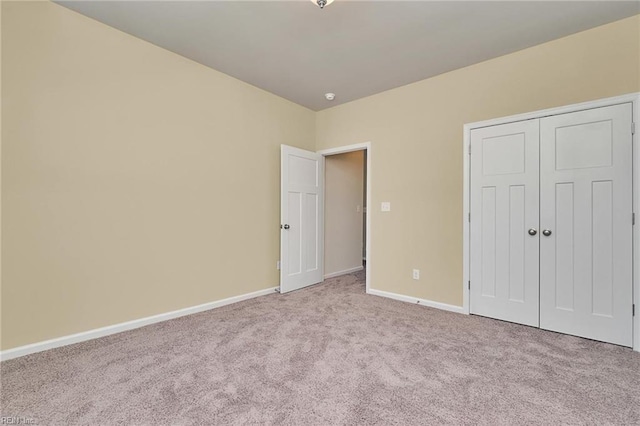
[586, 221]
[504, 222]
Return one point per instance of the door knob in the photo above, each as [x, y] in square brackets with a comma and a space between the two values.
[533, 231]
[546, 232]
[286, 226]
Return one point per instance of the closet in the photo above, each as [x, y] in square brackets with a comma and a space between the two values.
[551, 223]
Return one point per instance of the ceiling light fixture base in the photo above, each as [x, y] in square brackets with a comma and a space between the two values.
[322, 3]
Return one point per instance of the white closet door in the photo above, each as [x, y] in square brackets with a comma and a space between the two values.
[504, 222]
[586, 208]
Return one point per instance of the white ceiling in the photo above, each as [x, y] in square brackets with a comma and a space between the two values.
[351, 48]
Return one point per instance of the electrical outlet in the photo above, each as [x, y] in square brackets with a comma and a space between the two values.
[385, 206]
[278, 265]
[416, 274]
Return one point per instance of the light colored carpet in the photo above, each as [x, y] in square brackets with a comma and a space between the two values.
[326, 355]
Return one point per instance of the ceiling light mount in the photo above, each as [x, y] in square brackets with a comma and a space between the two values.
[329, 96]
[322, 3]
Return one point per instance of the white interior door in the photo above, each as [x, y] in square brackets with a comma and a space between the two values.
[504, 222]
[302, 218]
[586, 211]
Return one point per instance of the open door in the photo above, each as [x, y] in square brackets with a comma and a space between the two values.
[302, 218]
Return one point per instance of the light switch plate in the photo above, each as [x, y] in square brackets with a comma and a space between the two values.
[385, 206]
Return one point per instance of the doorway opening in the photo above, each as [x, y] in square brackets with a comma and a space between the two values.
[347, 223]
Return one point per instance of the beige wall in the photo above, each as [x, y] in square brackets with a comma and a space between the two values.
[344, 199]
[416, 137]
[135, 181]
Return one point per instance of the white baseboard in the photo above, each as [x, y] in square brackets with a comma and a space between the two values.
[345, 272]
[124, 326]
[414, 300]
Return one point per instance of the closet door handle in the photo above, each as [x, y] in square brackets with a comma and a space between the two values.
[546, 232]
[533, 231]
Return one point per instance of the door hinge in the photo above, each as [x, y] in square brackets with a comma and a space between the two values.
[633, 218]
[469, 284]
[633, 310]
[469, 149]
[633, 128]
[469, 217]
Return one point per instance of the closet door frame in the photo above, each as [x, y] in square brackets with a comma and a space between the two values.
[634, 99]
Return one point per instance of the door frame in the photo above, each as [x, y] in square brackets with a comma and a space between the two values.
[634, 99]
[365, 146]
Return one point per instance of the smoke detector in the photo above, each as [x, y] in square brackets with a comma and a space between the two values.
[330, 96]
